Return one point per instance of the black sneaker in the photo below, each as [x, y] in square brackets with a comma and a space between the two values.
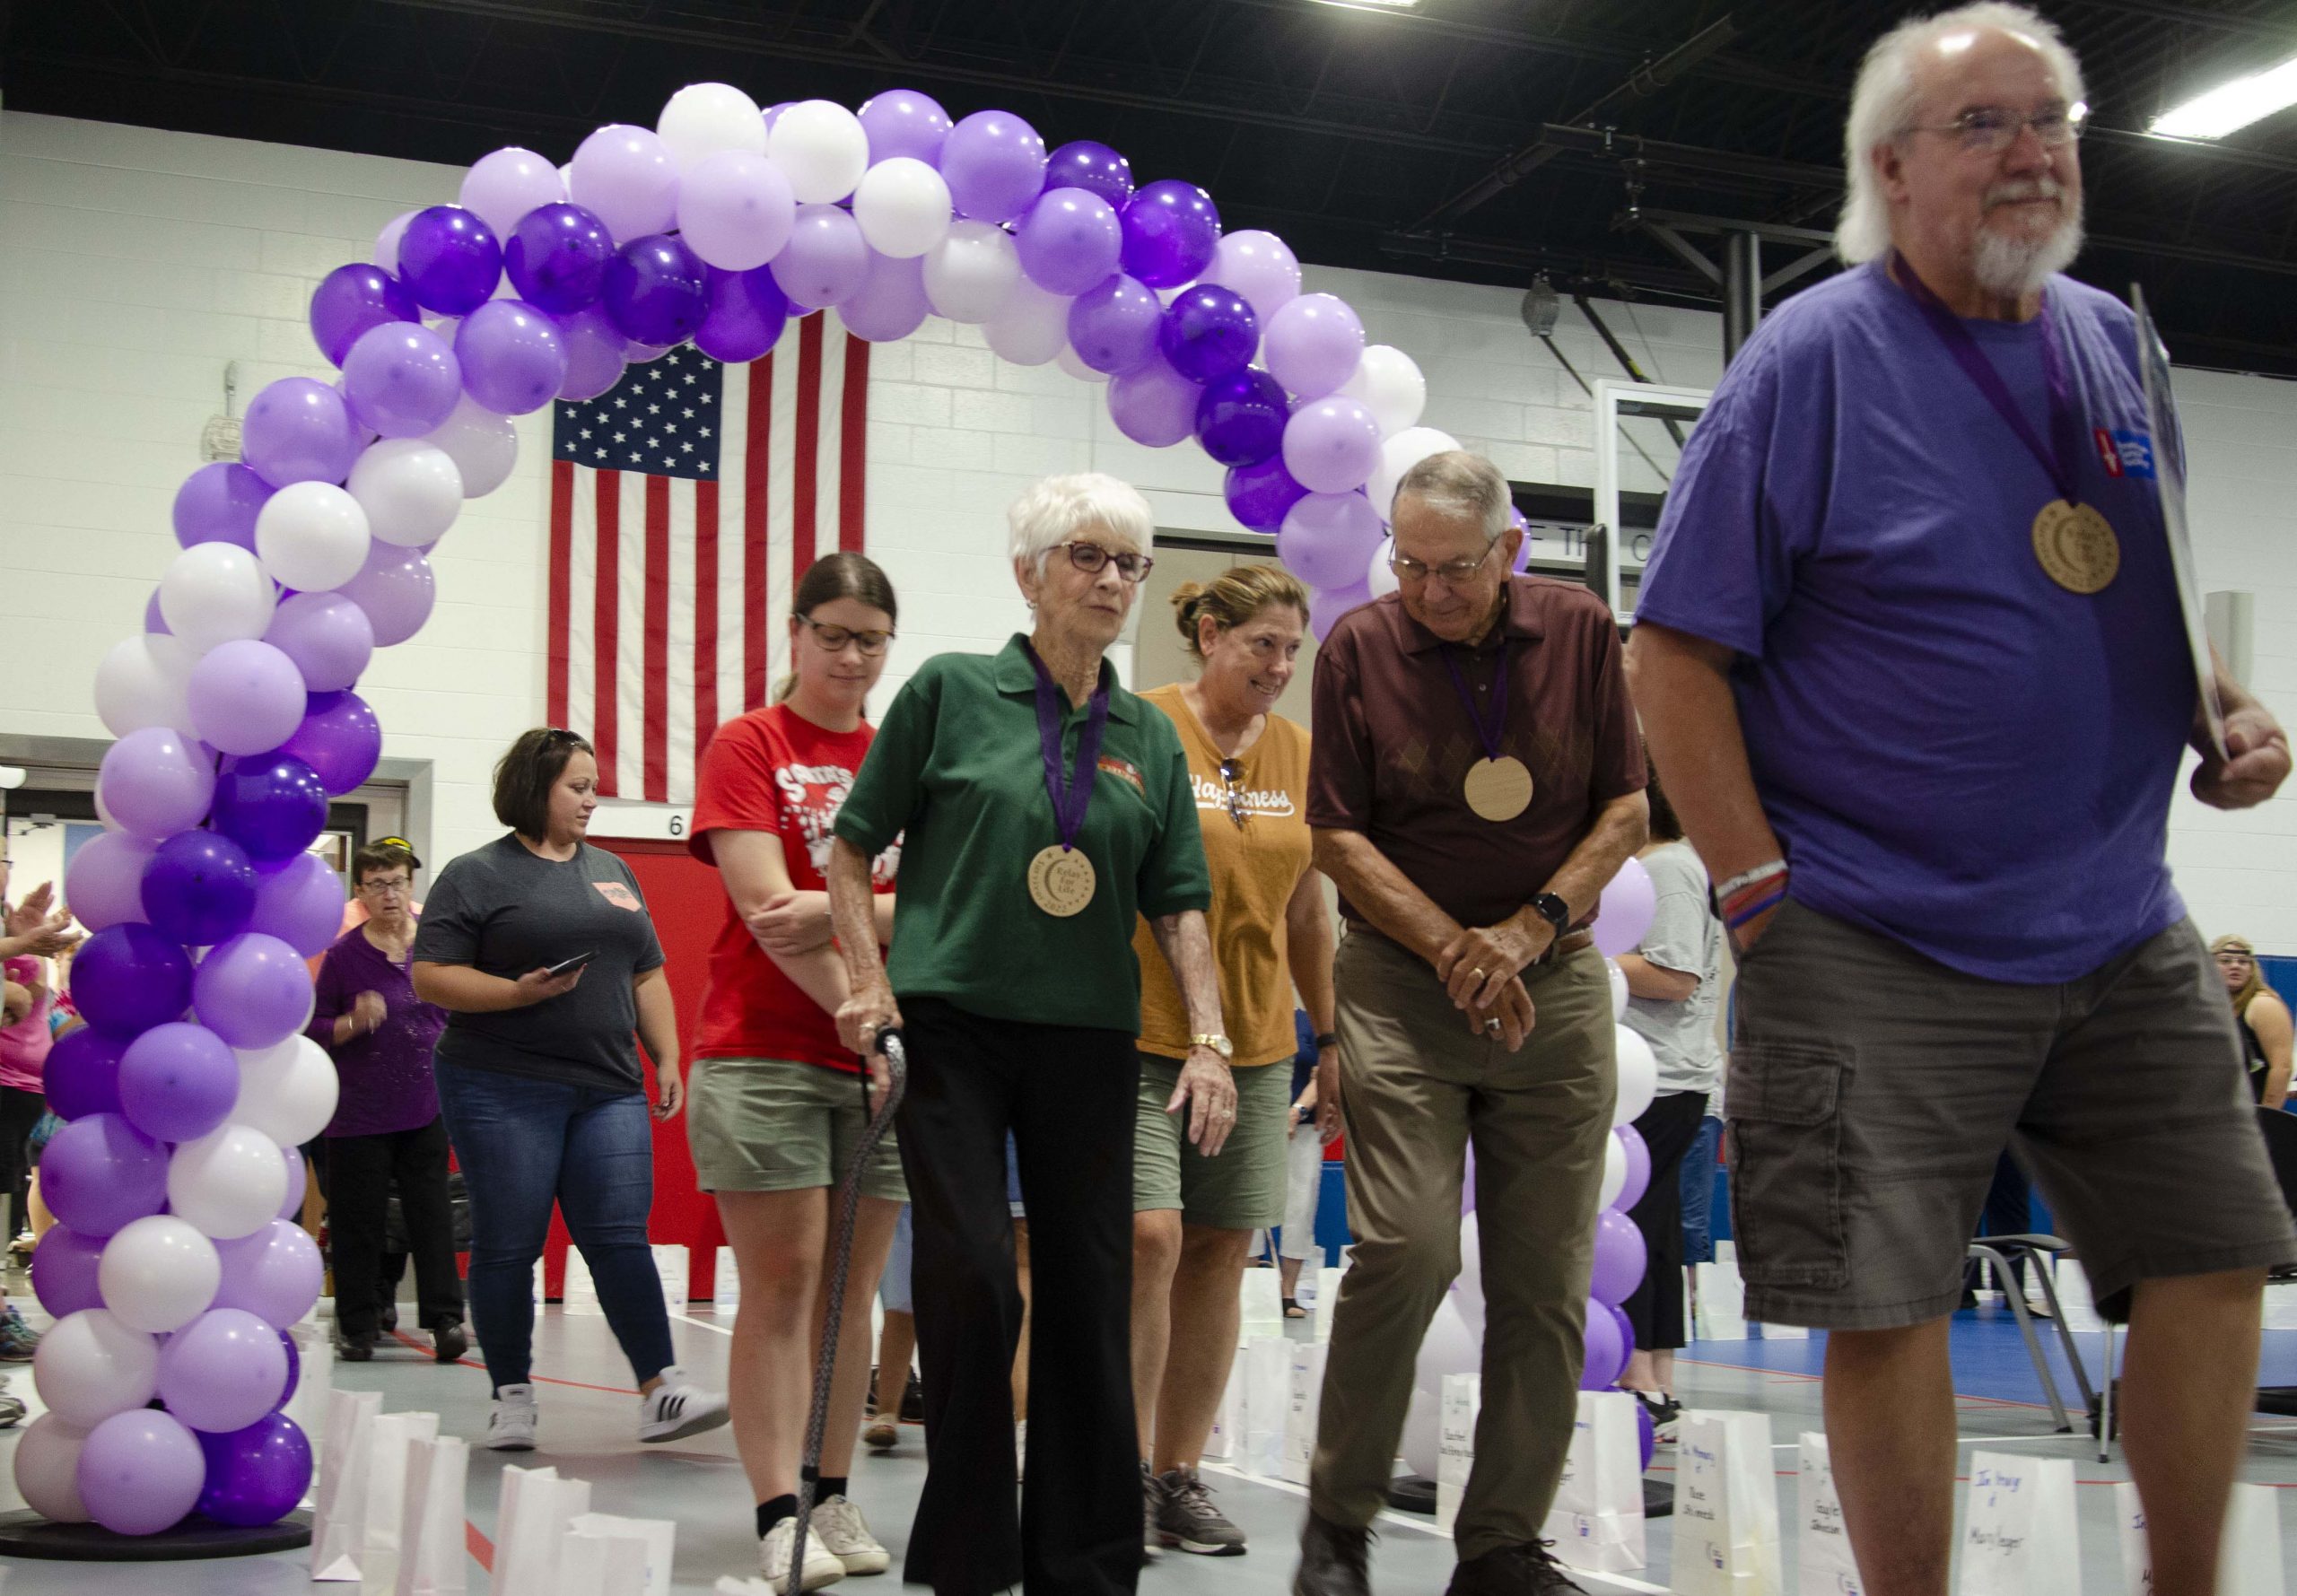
[356, 1349]
[1525, 1570]
[1334, 1561]
[912, 1402]
[448, 1341]
[1665, 1412]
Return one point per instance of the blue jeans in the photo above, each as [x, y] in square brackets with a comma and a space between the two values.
[523, 1142]
[1699, 1192]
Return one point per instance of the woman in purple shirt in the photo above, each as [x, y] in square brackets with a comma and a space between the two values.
[386, 1124]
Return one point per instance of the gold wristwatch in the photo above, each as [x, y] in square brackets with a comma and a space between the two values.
[1215, 1041]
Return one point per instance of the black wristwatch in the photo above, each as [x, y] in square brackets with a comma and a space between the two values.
[1327, 1039]
[1553, 910]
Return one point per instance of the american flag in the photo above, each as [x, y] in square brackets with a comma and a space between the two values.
[685, 503]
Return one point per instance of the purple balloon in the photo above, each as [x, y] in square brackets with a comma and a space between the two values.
[995, 166]
[328, 636]
[153, 620]
[449, 260]
[351, 298]
[154, 783]
[396, 589]
[1092, 167]
[512, 358]
[1258, 495]
[1069, 240]
[272, 805]
[1620, 1258]
[340, 740]
[275, 1274]
[1647, 1435]
[298, 430]
[1326, 606]
[1113, 325]
[557, 257]
[301, 902]
[903, 122]
[104, 882]
[82, 1076]
[1171, 229]
[402, 380]
[1639, 1168]
[99, 1173]
[177, 1082]
[1155, 406]
[826, 261]
[254, 991]
[1240, 421]
[1315, 344]
[1327, 539]
[223, 1371]
[656, 291]
[747, 311]
[594, 347]
[890, 304]
[63, 1272]
[1606, 1357]
[141, 1472]
[299, 1176]
[1208, 331]
[198, 889]
[256, 1476]
[126, 979]
[1332, 445]
[217, 503]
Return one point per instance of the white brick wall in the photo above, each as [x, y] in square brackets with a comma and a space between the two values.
[135, 263]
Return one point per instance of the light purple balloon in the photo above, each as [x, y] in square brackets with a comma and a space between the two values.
[512, 359]
[1258, 265]
[504, 186]
[903, 122]
[735, 209]
[593, 353]
[891, 303]
[1639, 1168]
[1332, 445]
[994, 162]
[301, 902]
[1068, 241]
[153, 620]
[245, 696]
[1327, 539]
[328, 636]
[63, 1272]
[177, 1082]
[826, 259]
[402, 380]
[1620, 1258]
[155, 784]
[298, 1181]
[396, 589]
[99, 1173]
[218, 503]
[1608, 1349]
[297, 430]
[223, 1371]
[1314, 344]
[627, 179]
[1112, 325]
[1326, 606]
[104, 882]
[1156, 404]
[275, 1274]
[1629, 900]
[254, 991]
[140, 1472]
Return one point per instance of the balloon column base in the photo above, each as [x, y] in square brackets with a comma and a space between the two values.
[1413, 1493]
[26, 1534]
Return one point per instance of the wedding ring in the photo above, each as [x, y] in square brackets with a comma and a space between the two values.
[1479, 976]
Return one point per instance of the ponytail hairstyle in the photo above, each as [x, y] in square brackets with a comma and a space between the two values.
[1232, 599]
[841, 575]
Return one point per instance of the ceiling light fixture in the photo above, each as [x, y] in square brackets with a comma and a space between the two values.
[2229, 106]
[1370, 5]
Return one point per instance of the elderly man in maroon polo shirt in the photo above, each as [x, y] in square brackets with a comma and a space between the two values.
[1476, 779]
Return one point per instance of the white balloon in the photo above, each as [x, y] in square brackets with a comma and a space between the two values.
[90, 1365]
[735, 209]
[140, 684]
[971, 274]
[1069, 361]
[410, 489]
[483, 445]
[1639, 1079]
[1468, 1284]
[902, 208]
[311, 536]
[820, 147]
[513, 182]
[229, 1183]
[1390, 385]
[1379, 575]
[216, 593]
[701, 119]
[1452, 1346]
[48, 1469]
[287, 1092]
[1032, 329]
[1614, 1173]
[1399, 455]
[1618, 989]
[387, 241]
[157, 1274]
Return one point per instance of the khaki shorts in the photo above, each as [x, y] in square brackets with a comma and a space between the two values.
[1871, 1090]
[774, 1125]
[1243, 1189]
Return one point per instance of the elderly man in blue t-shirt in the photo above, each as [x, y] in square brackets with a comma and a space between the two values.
[1911, 660]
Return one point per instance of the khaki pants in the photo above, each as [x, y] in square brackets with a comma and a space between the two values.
[1415, 1086]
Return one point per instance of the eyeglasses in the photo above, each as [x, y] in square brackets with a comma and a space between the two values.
[2236, 958]
[834, 638]
[1454, 572]
[1091, 558]
[1232, 772]
[385, 889]
[1993, 128]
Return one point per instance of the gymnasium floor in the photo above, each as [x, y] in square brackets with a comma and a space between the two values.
[588, 1431]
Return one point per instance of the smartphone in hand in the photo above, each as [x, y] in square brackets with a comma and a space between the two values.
[566, 965]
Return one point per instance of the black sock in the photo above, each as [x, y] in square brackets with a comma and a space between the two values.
[769, 1513]
[831, 1485]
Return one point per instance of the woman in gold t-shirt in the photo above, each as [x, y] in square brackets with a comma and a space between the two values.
[1194, 1217]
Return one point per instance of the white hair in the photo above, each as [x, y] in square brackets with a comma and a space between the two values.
[1458, 482]
[1055, 510]
[1883, 105]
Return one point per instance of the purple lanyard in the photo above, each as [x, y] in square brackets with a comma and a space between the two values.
[1071, 796]
[1488, 735]
[2065, 426]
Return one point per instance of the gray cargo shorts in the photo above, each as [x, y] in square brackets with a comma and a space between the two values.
[1871, 1090]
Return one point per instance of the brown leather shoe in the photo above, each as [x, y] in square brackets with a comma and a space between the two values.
[1334, 1561]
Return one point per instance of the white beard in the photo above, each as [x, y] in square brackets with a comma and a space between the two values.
[2015, 269]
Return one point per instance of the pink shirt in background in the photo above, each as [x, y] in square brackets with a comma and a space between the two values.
[23, 1046]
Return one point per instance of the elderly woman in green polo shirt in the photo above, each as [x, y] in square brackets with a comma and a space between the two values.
[1041, 808]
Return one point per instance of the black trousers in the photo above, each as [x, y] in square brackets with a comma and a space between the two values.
[20, 1110]
[1656, 1307]
[1066, 1094]
[360, 1173]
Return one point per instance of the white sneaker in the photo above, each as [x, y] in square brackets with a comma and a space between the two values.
[512, 1429]
[839, 1523]
[819, 1568]
[678, 1408]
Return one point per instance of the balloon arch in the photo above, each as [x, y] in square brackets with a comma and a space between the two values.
[176, 1268]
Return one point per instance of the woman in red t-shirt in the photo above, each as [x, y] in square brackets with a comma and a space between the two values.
[775, 1106]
